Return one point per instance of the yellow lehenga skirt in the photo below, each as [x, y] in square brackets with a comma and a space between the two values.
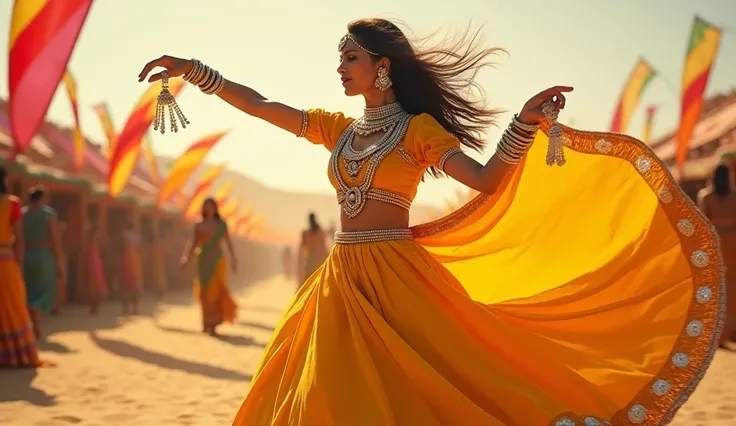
[587, 294]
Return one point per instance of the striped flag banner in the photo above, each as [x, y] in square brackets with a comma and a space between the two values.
[128, 147]
[42, 36]
[201, 191]
[701, 53]
[103, 113]
[649, 123]
[638, 80]
[186, 164]
[77, 136]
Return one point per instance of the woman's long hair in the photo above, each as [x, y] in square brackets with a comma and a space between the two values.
[214, 205]
[722, 181]
[438, 80]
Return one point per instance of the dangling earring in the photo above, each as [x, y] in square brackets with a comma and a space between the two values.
[383, 82]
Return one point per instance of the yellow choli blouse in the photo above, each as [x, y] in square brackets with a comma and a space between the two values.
[426, 143]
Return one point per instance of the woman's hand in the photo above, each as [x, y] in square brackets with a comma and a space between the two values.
[174, 67]
[183, 261]
[532, 113]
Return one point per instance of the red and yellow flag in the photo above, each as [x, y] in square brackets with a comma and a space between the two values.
[201, 191]
[108, 127]
[229, 208]
[128, 145]
[77, 136]
[42, 36]
[242, 220]
[223, 193]
[701, 54]
[150, 158]
[639, 79]
[649, 123]
[186, 164]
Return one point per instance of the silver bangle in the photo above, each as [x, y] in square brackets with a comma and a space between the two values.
[305, 124]
[529, 128]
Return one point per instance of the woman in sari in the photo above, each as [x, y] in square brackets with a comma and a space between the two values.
[159, 263]
[585, 294]
[211, 277]
[96, 281]
[42, 267]
[718, 203]
[18, 346]
[131, 275]
[313, 248]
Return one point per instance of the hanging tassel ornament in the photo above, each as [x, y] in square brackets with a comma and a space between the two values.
[555, 154]
[166, 100]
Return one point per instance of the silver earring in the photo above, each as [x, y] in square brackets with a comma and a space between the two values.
[383, 82]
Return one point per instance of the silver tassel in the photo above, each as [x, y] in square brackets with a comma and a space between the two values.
[166, 100]
[555, 153]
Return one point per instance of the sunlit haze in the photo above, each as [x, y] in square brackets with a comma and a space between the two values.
[287, 51]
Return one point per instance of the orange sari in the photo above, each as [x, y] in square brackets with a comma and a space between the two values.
[17, 343]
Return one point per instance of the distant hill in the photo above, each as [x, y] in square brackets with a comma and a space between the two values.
[283, 210]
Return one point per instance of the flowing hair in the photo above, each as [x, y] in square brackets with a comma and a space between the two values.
[438, 80]
[212, 201]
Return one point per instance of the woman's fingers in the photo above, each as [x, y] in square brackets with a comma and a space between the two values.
[160, 62]
[155, 77]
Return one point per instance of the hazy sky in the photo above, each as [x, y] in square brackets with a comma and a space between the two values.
[287, 51]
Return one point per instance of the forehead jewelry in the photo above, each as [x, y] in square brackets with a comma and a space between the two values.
[344, 41]
[166, 100]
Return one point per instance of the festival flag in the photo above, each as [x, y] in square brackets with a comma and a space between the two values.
[42, 36]
[108, 127]
[699, 58]
[201, 191]
[77, 136]
[150, 158]
[649, 123]
[222, 193]
[186, 164]
[229, 208]
[242, 220]
[638, 80]
[128, 145]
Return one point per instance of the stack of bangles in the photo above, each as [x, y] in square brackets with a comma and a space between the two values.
[515, 141]
[209, 80]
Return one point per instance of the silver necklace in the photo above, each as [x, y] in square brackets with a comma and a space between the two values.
[356, 196]
[378, 119]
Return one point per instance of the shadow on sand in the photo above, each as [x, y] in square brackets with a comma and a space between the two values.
[162, 360]
[16, 385]
[232, 339]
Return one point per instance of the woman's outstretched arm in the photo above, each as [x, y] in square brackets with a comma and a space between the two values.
[241, 97]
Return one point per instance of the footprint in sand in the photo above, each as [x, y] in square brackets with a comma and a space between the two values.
[68, 419]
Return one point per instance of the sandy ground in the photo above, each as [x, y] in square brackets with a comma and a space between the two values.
[159, 369]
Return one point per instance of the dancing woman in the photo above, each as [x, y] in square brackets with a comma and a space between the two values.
[582, 294]
[210, 282]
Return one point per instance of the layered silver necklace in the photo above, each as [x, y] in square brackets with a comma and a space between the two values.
[391, 119]
[378, 119]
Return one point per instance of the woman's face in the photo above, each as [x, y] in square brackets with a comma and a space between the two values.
[209, 210]
[357, 69]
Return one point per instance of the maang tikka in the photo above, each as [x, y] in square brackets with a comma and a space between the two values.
[166, 100]
[383, 81]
